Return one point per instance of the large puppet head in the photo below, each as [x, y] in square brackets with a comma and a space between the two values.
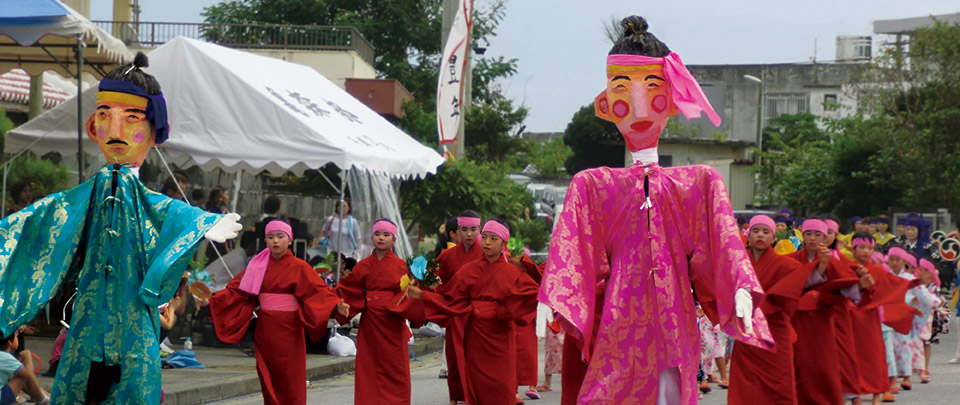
[131, 115]
[646, 85]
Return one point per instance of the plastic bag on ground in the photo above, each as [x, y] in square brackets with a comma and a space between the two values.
[341, 346]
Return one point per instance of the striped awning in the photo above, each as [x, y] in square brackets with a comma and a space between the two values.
[15, 88]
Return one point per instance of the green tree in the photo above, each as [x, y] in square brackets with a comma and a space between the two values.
[549, 157]
[461, 185]
[914, 102]
[593, 141]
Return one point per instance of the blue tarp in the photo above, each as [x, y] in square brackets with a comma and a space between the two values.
[24, 12]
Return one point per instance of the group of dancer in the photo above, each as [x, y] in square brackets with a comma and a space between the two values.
[846, 324]
[487, 302]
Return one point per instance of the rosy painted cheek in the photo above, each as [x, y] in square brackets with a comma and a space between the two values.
[621, 108]
[100, 132]
[138, 136]
[659, 103]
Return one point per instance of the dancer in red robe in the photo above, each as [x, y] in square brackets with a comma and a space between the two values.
[757, 375]
[817, 357]
[527, 347]
[494, 295]
[451, 260]
[291, 298]
[887, 289]
[373, 288]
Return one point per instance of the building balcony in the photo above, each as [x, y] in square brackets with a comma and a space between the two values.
[245, 36]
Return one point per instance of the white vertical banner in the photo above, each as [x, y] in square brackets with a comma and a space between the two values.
[452, 68]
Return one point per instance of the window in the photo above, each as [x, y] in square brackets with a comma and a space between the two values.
[775, 105]
[829, 102]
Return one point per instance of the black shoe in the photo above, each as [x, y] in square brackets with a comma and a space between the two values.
[443, 374]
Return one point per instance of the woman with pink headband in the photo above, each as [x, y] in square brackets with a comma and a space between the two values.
[495, 296]
[647, 234]
[451, 260]
[757, 375]
[291, 298]
[824, 304]
[383, 364]
[885, 289]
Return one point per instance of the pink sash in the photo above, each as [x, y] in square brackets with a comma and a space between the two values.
[279, 302]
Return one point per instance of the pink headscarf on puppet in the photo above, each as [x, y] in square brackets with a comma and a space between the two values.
[644, 91]
[501, 231]
[253, 276]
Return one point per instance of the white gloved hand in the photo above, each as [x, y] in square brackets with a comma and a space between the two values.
[744, 306]
[226, 228]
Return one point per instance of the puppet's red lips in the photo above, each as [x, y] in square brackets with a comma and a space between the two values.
[641, 126]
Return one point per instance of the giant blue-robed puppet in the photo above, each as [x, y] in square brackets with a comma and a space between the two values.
[125, 247]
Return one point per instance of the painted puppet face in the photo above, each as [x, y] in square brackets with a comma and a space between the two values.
[383, 240]
[863, 252]
[120, 127]
[761, 237]
[639, 100]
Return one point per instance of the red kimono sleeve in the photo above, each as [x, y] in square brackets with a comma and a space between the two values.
[719, 265]
[531, 269]
[351, 289]
[442, 308]
[521, 301]
[317, 301]
[791, 277]
[231, 311]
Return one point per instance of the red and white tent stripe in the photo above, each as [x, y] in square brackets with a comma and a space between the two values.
[15, 88]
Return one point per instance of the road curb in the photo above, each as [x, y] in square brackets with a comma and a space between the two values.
[236, 386]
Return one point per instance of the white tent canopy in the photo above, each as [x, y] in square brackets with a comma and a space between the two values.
[236, 110]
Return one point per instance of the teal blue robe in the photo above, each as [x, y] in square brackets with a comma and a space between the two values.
[126, 248]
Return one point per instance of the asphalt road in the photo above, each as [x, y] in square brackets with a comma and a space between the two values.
[430, 390]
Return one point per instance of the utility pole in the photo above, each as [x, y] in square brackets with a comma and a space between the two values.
[448, 13]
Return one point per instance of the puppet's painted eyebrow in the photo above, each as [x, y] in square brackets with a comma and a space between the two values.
[620, 77]
[653, 77]
[135, 110]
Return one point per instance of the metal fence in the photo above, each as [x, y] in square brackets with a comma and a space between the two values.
[252, 36]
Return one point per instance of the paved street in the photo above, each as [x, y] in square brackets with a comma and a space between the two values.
[429, 390]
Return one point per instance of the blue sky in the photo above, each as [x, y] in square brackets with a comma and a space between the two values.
[561, 46]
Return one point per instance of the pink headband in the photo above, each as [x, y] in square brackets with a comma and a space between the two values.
[385, 226]
[762, 220]
[832, 225]
[468, 221]
[924, 263]
[815, 225]
[907, 257]
[860, 241]
[498, 229]
[687, 94]
[281, 226]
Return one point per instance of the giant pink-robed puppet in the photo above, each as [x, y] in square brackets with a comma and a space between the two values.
[644, 236]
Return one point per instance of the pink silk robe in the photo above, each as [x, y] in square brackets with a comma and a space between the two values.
[649, 258]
